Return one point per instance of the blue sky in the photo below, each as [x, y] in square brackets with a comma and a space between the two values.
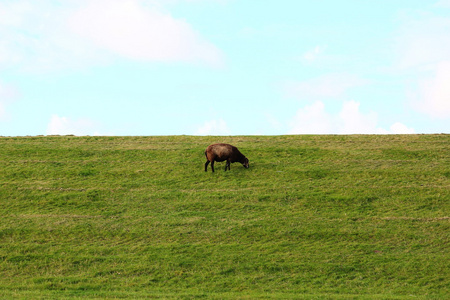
[224, 67]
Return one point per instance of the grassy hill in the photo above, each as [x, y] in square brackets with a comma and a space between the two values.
[314, 216]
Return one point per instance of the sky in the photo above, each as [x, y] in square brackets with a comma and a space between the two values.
[224, 67]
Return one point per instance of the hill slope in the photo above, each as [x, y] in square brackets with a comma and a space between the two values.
[139, 217]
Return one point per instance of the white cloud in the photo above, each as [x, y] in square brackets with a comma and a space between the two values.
[35, 37]
[434, 93]
[351, 120]
[213, 127]
[8, 94]
[141, 32]
[399, 128]
[327, 86]
[443, 3]
[2, 110]
[423, 42]
[65, 126]
[313, 119]
[313, 54]
[45, 35]
[423, 47]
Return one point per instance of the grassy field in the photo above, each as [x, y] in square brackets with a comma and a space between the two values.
[331, 217]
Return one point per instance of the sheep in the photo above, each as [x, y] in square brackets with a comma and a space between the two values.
[221, 152]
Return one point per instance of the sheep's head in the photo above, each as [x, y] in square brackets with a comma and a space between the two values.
[245, 163]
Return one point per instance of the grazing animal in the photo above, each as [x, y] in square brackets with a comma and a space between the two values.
[222, 152]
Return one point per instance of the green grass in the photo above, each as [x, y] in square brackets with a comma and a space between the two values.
[314, 217]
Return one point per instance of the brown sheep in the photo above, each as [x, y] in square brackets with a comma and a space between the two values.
[222, 152]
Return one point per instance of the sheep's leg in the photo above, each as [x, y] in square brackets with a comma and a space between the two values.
[212, 166]
[227, 165]
[206, 165]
